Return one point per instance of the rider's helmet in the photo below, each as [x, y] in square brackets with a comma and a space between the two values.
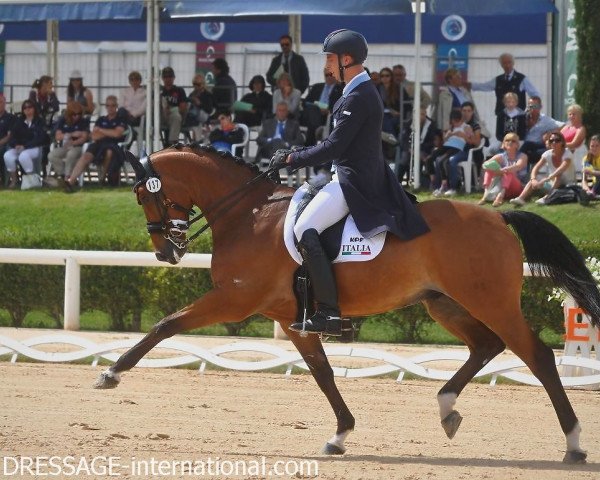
[347, 42]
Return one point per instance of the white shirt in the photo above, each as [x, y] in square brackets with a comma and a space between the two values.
[134, 101]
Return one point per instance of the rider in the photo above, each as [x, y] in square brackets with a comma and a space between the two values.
[362, 184]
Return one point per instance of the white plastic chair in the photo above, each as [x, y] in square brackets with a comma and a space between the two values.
[244, 142]
[470, 173]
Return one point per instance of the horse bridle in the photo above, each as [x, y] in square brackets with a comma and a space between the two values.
[174, 230]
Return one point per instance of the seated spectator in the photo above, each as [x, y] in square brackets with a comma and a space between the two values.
[78, 92]
[455, 140]
[452, 97]
[104, 149]
[278, 132]
[375, 78]
[27, 137]
[6, 122]
[44, 98]
[72, 131]
[391, 102]
[560, 171]
[261, 101]
[318, 104]
[539, 128]
[173, 106]
[226, 134]
[574, 131]
[591, 169]
[511, 119]
[500, 179]
[132, 100]
[202, 106]
[285, 92]
[225, 89]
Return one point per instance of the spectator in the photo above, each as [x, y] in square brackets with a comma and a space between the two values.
[72, 131]
[286, 92]
[431, 138]
[227, 134]
[591, 169]
[27, 137]
[319, 104]
[407, 92]
[574, 131]
[452, 97]
[46, 103]
[511, 119]
[509, 81]
[132, 100]
[202, 106]
[375, 78]
[261, 101]
[291, 63]
[560, 171]
[225, 89]
[455, 140]
[391, 101]
[538, 128]
[278, 132]
[174, 106]
[78, 92]
[6, 122]
[502, 170]
[104, 149]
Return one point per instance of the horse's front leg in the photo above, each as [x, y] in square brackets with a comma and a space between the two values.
[313, 354]
[216, 306]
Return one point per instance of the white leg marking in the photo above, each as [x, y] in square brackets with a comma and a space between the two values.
[573, 438]
[339, 438]
[446, 402]
[111, 374]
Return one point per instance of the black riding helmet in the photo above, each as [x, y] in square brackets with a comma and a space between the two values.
[346, 42]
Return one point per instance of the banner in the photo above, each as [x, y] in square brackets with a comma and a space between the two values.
[451, 55]
[570, 57]
[206, 53]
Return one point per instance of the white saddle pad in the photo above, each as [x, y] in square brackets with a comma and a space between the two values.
[354, 248]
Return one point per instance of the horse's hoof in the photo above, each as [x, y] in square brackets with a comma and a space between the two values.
[451, 423]
[575, 457]
[107, 379]
[331, 449]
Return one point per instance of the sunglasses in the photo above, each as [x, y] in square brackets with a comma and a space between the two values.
[555, 140]
[534, 107]
[384, 75]
[111, 104]
[197, 84]
[285, 44]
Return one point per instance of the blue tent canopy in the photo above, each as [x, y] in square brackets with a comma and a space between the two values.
[31, 12]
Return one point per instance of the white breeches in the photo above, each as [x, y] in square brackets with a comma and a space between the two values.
[26, 158]
[328, 207]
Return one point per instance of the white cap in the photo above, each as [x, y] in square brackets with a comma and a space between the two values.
[75, 74]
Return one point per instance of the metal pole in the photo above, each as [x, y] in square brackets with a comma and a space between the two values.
[156, 83]
[417, 100]
[72, 292]
[48, 47]
[149, 74]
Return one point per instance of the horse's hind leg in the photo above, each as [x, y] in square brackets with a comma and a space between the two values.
[312, 352]
[483, 345]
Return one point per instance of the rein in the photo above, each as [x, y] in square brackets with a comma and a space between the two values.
[173, 229]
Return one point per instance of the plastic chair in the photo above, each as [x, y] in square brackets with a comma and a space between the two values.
[470, 173]
[245, 141]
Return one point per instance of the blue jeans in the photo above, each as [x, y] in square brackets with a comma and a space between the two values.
[453, 162]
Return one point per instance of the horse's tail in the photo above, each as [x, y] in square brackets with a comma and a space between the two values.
[550, 253]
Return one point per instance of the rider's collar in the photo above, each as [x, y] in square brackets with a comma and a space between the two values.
[355, 82]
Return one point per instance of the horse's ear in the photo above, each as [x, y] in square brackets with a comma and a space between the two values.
[138, 168]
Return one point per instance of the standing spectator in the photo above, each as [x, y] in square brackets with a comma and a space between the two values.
[431, 138]
[44, 98]
[539, 128]
[173, 106]
[261, 101]
[104, 149]
[319, 104]
[132, 100]
[591, 168]
[27, 137]
[560, 171]
[511, 119]
[407, 92]
[509, 81]
[78, 92]
[226, 134]
[452, 97]
[390, 97]
[286, 92]
[278, 132]
[6, 122]
[225, 89]
[202, 106]
[291, 63]
[574, 131]
[72, 131]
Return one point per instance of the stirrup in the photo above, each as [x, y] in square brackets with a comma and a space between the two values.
[319, 323]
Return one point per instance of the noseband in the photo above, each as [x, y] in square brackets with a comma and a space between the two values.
[174, 230]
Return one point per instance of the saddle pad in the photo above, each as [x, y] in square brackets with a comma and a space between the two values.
[353, 247]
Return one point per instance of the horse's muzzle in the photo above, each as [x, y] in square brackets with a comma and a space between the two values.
[173, 259]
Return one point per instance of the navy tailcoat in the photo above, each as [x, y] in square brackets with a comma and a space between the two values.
[374, 196]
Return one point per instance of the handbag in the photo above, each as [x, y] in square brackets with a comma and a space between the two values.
[31, 180]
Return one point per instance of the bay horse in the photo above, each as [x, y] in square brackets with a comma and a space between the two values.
[467, 271]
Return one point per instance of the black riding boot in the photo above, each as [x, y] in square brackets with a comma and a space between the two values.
[327, 317]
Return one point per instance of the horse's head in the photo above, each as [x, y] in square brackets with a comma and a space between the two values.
[167, 208]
